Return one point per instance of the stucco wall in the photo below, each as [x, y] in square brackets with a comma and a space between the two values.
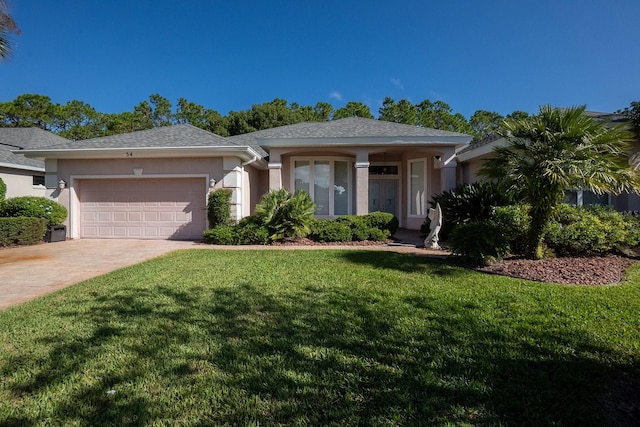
[20, 182]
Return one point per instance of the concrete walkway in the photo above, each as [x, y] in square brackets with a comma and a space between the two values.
[28, 272]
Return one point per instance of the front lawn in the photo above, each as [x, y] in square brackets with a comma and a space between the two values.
[204, 337]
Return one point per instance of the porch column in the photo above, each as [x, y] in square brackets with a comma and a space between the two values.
[448, 176]
[275, 176]
[232, 169]
[362, 188]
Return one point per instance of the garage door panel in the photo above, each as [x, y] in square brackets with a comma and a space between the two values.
[143, 208]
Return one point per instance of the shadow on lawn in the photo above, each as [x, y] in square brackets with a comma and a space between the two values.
[408, 263]
[239, 355]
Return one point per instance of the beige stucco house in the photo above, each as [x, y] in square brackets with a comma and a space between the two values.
[153, 184]
[24, 176]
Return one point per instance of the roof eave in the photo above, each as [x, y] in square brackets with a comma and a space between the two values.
[21, 167]
[482, 150]
[409, 141]
[243, 152]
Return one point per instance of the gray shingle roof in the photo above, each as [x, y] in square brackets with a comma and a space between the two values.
[352, 127]
[25, 138]
[167, 136]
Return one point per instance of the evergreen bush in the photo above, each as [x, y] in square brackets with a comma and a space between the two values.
[329, 230]
[360, 230]
[220, 235]
[378, 235]
[219, 207]
[513, 220]
[251, 232]
[586, 230]
[22, 230]
[3, 191]
[35, 207]
[382, 220]
[478, 242]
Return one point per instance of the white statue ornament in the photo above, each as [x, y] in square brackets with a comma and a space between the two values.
[435, 223]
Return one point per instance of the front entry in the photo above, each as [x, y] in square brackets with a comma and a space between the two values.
[383, 195]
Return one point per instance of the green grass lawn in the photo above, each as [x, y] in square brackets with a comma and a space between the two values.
[205, 337]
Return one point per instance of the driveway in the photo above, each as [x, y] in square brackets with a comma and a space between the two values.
[28, 272]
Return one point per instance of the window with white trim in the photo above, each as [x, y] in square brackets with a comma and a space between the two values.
[328, 182]
[417, 187]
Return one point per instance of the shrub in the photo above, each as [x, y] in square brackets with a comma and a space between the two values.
[219, 207]
[360, 230]
[251, 233]
[286, 215]
[22, 230]
[328, 230]
[466, 203]
[35, 207]
[590, 230]
[377, 235]
[478, 242]
[382, 221]
[220, 235]
[3, 190]
[513, 220]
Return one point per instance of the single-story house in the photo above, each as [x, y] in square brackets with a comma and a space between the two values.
[24, 176]
[153, 184]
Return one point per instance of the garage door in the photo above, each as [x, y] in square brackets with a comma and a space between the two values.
[142, 208]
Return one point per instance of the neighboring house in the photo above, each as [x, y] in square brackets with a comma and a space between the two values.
[471, 158]
[24, 176]
[153, 184]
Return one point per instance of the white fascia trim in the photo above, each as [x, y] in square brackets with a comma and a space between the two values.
[481, 151]
[364, 141]
[21, 167]
[246, 153]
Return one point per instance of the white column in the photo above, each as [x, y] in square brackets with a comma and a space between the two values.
[232, 169]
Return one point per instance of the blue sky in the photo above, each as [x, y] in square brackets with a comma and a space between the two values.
[497, 55]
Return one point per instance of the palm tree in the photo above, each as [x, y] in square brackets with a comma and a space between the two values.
[7, 26]
[556, 150]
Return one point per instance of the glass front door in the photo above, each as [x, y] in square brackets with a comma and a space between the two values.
[383, 195]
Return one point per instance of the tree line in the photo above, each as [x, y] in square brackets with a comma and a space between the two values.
[77, 120]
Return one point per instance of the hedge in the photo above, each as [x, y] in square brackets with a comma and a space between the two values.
[22, 230]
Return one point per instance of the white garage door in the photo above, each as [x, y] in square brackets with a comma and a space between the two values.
[143, 208]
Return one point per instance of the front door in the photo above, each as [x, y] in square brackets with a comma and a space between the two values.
[383, 195]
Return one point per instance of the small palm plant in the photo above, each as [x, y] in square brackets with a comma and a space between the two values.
[286, 214]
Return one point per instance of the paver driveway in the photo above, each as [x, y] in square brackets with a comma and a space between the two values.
[30, 271]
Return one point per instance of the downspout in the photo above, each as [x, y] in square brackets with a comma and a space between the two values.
[248, 162]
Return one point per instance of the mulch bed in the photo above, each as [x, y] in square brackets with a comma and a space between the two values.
[594, 270]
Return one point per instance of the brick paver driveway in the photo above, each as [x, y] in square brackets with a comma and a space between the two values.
[30, 271]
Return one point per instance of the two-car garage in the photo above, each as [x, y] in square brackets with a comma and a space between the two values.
[141, 208]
